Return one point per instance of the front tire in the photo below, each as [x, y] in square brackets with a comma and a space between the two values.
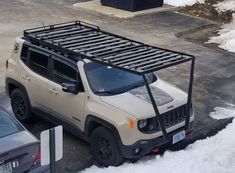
[104, 148]
[21, 106]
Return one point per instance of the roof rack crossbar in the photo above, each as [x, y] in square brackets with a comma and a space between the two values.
[125, 53]
[80, 39]
[159, 57]
[54, 32]
[75, 37]
[140, 58]
[103, 47]
[67, 33]
[94, 42]
[163, 66]
[118, 51]
[154, 62]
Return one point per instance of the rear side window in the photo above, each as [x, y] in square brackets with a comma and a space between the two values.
[39, 63]
[8, 125]
[63, 73]
[24, 53]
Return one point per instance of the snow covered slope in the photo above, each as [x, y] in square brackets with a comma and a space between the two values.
[212, 155]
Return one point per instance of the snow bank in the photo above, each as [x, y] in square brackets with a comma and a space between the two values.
[212, 155]
[181, 3]
[226, 5]
[226, 38]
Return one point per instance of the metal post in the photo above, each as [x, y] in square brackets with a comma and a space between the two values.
[52, 150]
[158, 115]
[187, 120]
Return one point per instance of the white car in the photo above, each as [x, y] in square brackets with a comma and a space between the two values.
[100, 87]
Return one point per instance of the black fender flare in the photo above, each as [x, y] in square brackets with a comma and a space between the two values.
[10, 81]
[93, 119]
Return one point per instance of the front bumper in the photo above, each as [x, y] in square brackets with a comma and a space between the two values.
[145, 147]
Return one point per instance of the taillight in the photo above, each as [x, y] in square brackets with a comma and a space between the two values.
[7, 64]
[38, 158]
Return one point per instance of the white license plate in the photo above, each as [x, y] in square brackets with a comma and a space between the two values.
[6, 168]
[178, 137]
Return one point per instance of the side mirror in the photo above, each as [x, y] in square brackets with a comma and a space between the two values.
[69, 88]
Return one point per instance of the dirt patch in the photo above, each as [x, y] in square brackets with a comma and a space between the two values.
[207, 10]
[199, 35]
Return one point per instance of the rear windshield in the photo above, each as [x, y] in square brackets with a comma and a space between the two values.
[8, 125]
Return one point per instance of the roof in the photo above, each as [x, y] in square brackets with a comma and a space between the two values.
[82, 40]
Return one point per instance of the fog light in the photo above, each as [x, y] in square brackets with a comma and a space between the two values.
[136, 151]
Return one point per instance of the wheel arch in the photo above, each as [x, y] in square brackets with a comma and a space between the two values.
[93, 122]
[12, 84]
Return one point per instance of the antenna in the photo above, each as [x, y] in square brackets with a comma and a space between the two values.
[43, 25]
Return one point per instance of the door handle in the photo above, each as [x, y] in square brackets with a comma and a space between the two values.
[25, 77]
[54, 91]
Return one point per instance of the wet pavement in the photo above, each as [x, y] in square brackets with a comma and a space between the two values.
[214, 71]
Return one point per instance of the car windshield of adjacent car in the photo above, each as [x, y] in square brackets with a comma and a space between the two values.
[8, 125]
[105, 80]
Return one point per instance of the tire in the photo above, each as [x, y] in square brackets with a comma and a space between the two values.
[104, 148]
[21, 106]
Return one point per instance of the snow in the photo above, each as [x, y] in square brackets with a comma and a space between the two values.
[226, 37]
[223, 113]
[181, 3]
[212, 155]
[226, 5]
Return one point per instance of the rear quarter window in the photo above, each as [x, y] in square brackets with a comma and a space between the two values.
[39, 63]
[8, 125]
[24, 53]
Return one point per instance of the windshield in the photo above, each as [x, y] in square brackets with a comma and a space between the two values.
[7, 125]
[105, 80]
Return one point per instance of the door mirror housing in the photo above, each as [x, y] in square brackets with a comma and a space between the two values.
[70, 88]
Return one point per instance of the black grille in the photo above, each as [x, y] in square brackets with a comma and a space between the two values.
[175, 116]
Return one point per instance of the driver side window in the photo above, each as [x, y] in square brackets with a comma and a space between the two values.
[63, 73]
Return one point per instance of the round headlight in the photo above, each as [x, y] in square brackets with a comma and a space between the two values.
[142, 124]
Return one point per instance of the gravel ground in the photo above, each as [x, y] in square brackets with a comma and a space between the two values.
[207, 10]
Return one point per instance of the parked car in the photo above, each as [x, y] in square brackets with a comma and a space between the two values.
[101, 87]
[19, 149]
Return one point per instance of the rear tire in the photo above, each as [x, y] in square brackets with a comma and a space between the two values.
[104, 148]
[21, 106]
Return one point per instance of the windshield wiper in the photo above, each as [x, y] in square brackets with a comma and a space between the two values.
[105, 92]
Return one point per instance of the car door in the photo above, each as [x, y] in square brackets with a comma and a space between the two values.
[67, 106]
[35, 76]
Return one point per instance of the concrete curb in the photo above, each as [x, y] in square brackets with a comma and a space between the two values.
[96, 6]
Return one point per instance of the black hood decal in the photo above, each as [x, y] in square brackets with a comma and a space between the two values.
[160, 97]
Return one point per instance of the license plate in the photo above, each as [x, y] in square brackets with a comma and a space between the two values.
[178, 137]
[6, 168]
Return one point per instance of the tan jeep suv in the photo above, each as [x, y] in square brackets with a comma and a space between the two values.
[100, 87]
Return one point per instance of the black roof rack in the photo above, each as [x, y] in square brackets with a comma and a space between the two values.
[82, 40]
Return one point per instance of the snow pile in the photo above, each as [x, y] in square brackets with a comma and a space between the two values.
[226, 5]
[223, 113]
[182, 3]
[212, 155]
[226, 38]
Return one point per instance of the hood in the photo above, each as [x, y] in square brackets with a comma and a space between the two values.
[137, 103]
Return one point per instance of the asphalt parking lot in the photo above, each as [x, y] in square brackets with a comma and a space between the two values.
[214, 74]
